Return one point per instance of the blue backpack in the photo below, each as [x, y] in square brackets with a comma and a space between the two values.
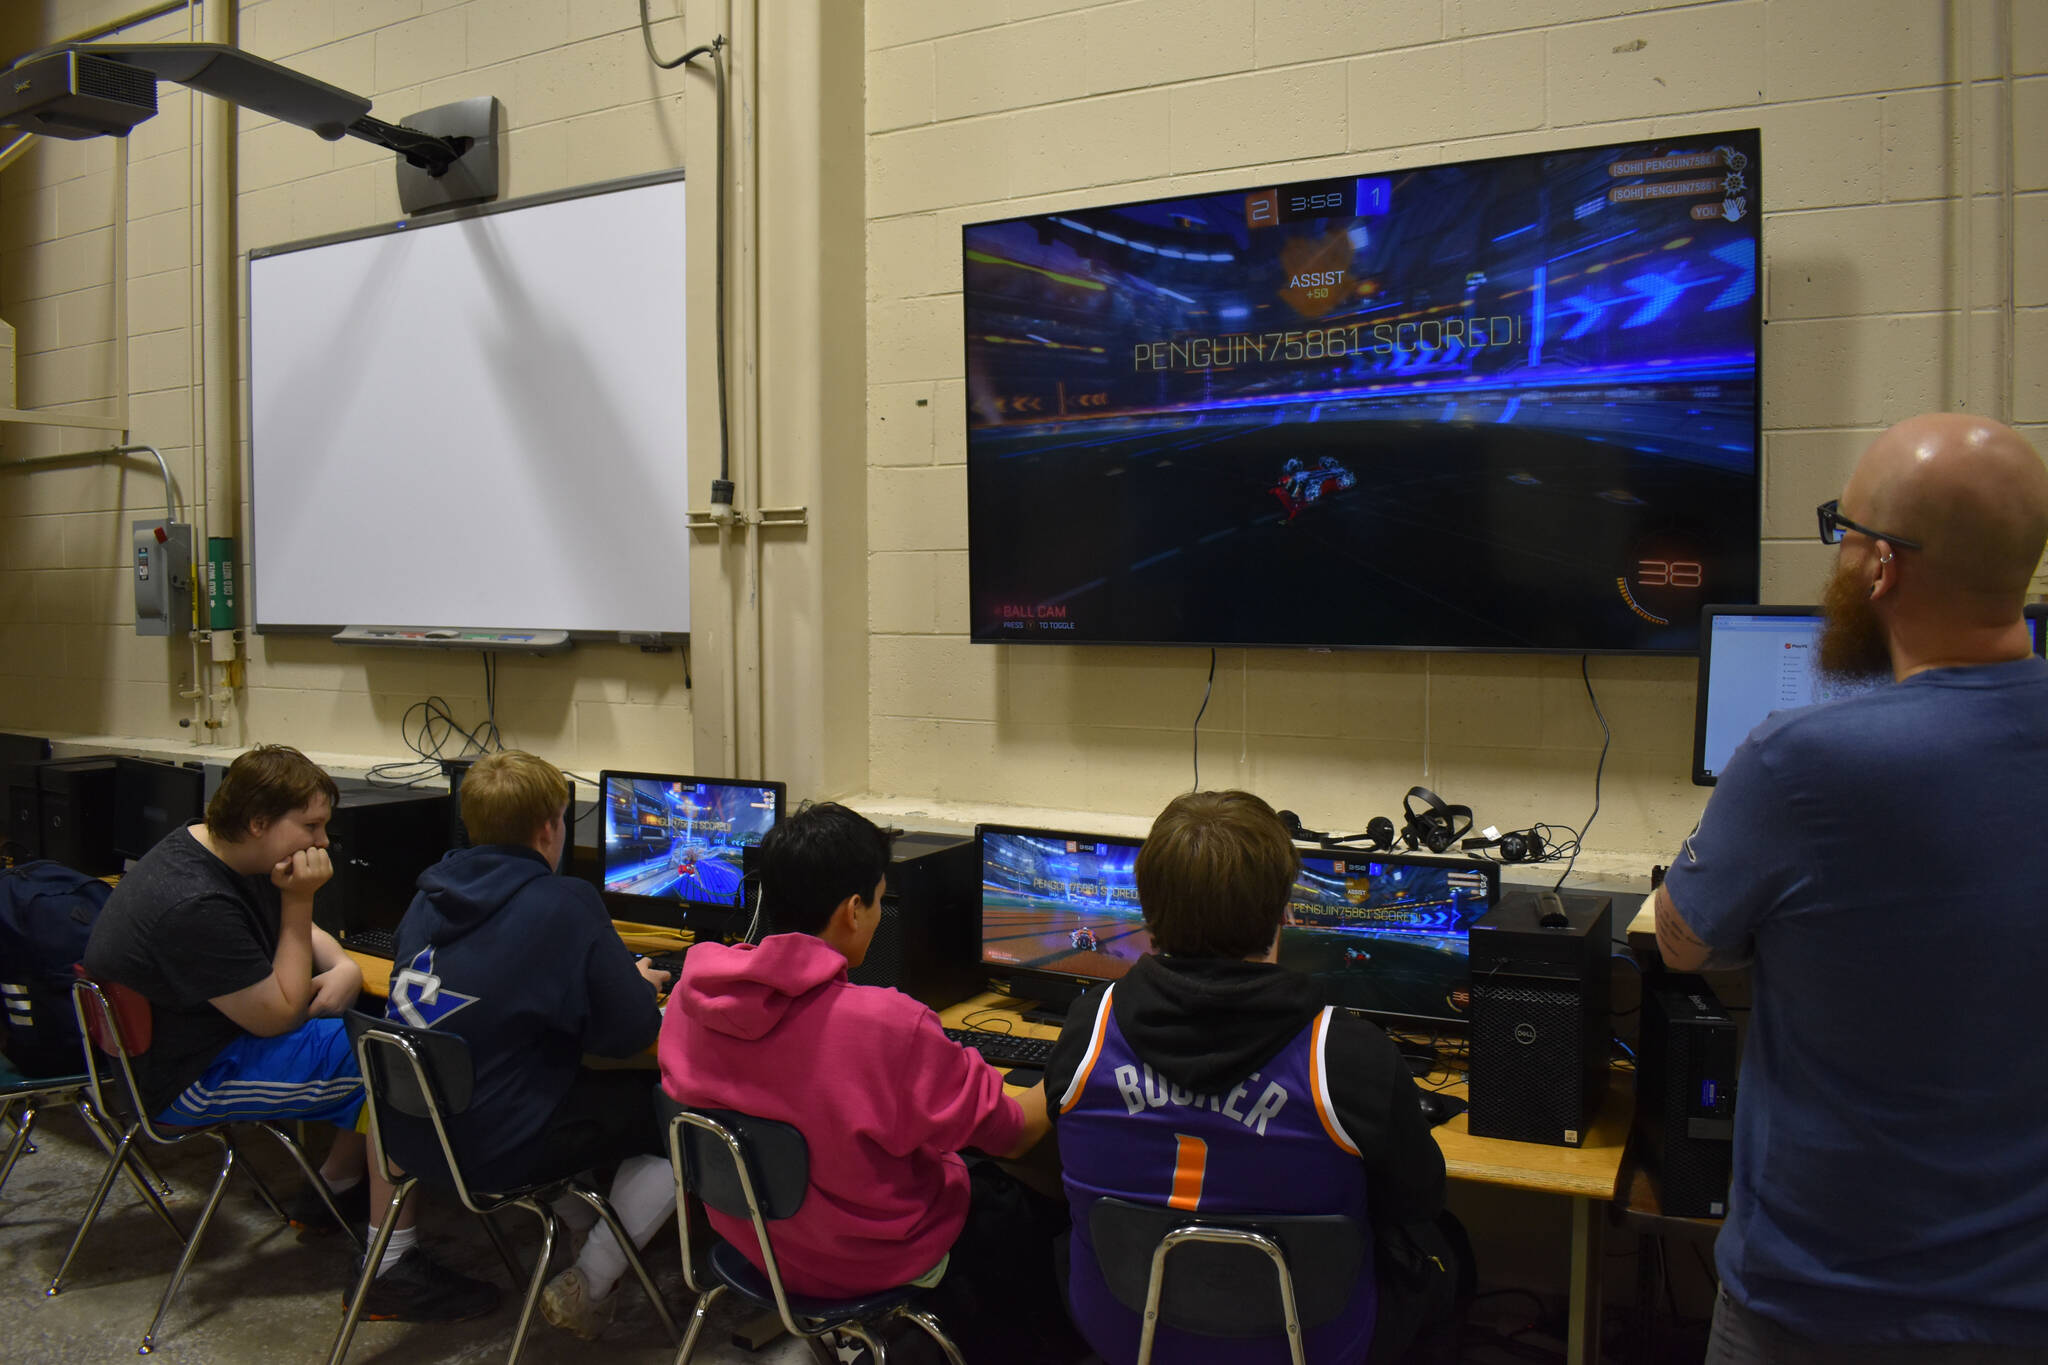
[47, 912]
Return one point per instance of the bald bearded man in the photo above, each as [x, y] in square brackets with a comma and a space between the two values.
[1881, 862]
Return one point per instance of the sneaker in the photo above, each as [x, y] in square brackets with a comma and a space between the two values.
[421, 1289]
[308, 1212]
[566, 1303]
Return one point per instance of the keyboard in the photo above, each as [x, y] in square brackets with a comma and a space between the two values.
[664, 962]
[375, 942]
[1004, 1049]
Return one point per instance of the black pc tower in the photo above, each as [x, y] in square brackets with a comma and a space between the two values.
[1685, 1095]
[1540, 1018]
[16, 751]
[380, 839]
[63, 809]
[151, 799]
[927, 943]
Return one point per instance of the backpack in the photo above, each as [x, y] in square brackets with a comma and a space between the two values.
[47, 912]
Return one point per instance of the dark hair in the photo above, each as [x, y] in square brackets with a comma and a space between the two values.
[1214, 875]
[813, 860]
[269, 781]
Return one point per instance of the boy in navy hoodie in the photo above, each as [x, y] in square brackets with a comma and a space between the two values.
[525, 966]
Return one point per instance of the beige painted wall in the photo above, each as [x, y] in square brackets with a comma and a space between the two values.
[988, 108]
[582, 104]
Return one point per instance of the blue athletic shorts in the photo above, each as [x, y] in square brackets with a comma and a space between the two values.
[309, 1073]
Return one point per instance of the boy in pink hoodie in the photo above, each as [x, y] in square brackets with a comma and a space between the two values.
[885, 1099]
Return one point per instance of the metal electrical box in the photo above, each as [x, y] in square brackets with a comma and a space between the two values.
[163, 577]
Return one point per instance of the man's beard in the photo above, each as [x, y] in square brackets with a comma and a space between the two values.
[1852, 642]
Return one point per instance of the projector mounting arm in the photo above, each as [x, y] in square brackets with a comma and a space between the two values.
[426, 152]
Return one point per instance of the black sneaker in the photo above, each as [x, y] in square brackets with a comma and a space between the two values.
[421, 1289]
[309, 1213]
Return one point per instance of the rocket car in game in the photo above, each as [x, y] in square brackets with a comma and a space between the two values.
[1301, 486]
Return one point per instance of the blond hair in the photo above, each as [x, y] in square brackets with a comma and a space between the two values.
[507, 797]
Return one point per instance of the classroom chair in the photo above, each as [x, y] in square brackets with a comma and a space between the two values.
[429, 1075]
[760, 1170]
[116, 1022]
[31, 1092]
[1235, 1274]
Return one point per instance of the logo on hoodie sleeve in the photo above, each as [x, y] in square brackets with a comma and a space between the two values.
[418, 997]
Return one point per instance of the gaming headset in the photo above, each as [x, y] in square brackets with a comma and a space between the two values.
[1516, 846]
[1436, 826]
[1379, 833]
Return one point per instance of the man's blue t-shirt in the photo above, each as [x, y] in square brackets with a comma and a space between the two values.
[1885, 859]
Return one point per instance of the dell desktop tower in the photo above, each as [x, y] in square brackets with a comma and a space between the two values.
[380, 839]
[1685, 1095]
[1539, 1018]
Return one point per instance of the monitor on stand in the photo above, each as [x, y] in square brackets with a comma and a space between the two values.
[1059, 912]
[674, 847]
[1384, 933]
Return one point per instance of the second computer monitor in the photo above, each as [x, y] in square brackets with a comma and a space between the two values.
[1383, 933]
[679, 842]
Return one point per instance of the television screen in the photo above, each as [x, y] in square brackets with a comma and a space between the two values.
[682, 838]
[1504, 404]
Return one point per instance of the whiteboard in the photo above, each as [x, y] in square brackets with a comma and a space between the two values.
[475, 423]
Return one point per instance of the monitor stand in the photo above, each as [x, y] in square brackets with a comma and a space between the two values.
[1039, 1014]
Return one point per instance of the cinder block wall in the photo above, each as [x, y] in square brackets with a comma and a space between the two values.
[987, 108]
[582, 104]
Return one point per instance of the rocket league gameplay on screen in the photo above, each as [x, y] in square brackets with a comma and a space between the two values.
[682, 840]
[1501, 404]
[1386, 935]
[1061, 904]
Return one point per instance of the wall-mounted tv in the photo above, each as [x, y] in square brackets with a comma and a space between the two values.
[1508, 404]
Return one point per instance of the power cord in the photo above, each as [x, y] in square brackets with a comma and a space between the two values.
[1207, 688]
[1606, 738]
[714, 50]
[437, 726]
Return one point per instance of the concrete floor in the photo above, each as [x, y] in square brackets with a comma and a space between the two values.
[256, 1292]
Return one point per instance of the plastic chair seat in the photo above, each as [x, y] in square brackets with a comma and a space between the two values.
[745, 1279]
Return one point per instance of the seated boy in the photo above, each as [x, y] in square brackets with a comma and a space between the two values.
[525, 966]
[885, 1100]
[1294, 1108]
[214, 927]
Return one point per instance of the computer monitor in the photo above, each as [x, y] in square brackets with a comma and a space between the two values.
[151, 799]
[1756, 660]
[1059, 909]
[1384, 933]
[674, 846]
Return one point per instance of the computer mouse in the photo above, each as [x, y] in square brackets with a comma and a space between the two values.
[1437, 1107]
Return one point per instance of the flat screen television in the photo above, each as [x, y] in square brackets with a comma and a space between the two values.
[1506, 404]
[674, 847]
[1382, 933]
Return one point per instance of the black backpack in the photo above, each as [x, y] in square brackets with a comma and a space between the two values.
[46, 915]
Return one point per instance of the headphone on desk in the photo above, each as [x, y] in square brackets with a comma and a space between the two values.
[1516, 846]
[1437, 825]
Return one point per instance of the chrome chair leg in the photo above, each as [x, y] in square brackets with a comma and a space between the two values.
[935, 1332]
[372, 1258]
[697, 1319]
[313, 1179]
[632, 1253]
[92, 1210]
[220, 1184]
[548, 1225]
[24, 1123]
[262, 1187]
[151, 1186]
[873, 1343]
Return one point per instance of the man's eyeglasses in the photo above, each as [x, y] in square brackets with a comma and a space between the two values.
[1833, 523]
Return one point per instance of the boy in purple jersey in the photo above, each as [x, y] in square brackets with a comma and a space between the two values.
[1211, 1079]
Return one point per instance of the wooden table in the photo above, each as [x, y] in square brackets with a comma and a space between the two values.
[1585, 1175]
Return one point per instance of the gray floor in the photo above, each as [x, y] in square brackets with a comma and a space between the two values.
[259, 1294]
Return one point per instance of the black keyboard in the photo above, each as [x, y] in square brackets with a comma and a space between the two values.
[664, 962]
[375, 942]
[1004, 1049]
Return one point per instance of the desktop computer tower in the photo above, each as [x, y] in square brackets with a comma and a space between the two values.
[151, 799]
[17, 751]
[380, 840]
[63, 809]
[1685, 1095]
[1539, 1019]
[926, 943]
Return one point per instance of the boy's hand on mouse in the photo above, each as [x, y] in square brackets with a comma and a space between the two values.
[652, 975]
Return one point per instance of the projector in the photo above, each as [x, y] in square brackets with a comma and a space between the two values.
[75, 95]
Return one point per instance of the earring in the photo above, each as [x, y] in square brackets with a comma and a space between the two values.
[1885, 558]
